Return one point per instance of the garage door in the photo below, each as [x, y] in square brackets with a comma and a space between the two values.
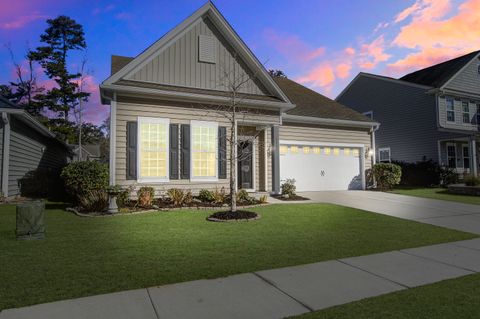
[320, 168]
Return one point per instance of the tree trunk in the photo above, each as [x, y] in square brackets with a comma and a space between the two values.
[233, 165]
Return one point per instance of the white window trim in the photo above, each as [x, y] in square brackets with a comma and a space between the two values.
[157, 120]
[447, 110]
[368, 114]
[194, 123]
[446, 153]
[383, 149]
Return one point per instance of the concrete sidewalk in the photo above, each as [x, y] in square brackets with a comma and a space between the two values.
[275, 293]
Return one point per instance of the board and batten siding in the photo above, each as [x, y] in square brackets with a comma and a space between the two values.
[28, 152]
[458, 107]
[179, 65]
[468, 80]
[325, 134]
[130, 109]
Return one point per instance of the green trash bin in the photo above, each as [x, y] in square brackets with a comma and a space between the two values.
[30, 220]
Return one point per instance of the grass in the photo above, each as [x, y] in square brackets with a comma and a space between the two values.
[454, 298]
[87, 256]
[438, 193]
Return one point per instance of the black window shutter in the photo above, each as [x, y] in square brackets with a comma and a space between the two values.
[131, 150]
[174, 151]
[222, 152]
[185, 152]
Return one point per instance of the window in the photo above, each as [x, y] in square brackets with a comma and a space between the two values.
[294, 149]
[153, 137]
[316, 150]
[384, 154]
[204, 150]
[451, 155]
[466, 156]
[478, 113]
[346, 151]
[283, 149]
[336, 151]
[466, 112]
[369, 114]
[356, 152]
[450, 110]
[326, 150]
[306, 150]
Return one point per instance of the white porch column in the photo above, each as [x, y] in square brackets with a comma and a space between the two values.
[6, 153]
[265, 159]
[113, 138]
[473, 156]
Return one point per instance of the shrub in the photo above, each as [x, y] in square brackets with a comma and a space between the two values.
[448, 176]
[263, 199]
[81, 178]
[206, 196]
[387, 175]
[188, 198]
[289, 188]
[424, 173]
[123, 197]
[242, 196]
[219, 196]
[94, 200]
[42, 183]
[145, 196]
[471, 180]
[177, 196]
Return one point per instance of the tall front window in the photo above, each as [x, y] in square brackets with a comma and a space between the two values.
[452, 156]
[466, 156]
[450, 110]
[204, 150]
[153, 149]
[466, 112]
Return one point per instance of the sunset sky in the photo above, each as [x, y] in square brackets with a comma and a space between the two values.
[322, 44]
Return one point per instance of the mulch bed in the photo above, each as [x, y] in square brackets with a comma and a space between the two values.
[228, 216]
[290, 198]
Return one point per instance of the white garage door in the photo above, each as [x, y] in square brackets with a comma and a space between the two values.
[320, 168]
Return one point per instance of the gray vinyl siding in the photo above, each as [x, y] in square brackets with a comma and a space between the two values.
[129, 109]
[29, 151]
[325, 134]
[458, 124]
[1, 149]
[178, 64]
[407, 116]
[468, 80]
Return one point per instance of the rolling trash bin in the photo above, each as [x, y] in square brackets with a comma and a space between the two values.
[30, 220]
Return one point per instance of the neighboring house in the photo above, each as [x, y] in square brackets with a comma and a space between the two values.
[167, 130]
[433, 113]
[25, 146]
[90, 152]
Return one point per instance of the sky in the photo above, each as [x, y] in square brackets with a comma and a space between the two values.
[322, 44]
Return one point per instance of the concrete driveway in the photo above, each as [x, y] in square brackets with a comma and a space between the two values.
[453, 215]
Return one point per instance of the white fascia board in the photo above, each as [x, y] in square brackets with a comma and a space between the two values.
[325, 121]
[329, 144]
[29, 120]
[196, 97]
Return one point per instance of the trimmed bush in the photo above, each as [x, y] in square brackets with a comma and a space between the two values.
[94, 201]
[242, 196]
[424, 173]
[288, 188]
[206, 196]
[145, 196]
[448, 176]
[219, 196]
[387, 175]
[177, 196]
[471, 180]
[81, 178]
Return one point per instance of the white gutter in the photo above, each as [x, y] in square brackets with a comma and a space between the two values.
[325, 121]
[175, 95]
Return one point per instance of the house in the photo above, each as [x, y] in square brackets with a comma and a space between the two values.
[89, 152]
[433, 113]
[27, 149]
[168, 129]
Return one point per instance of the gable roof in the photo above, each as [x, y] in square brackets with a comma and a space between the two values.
[437, 75]
[118, 62]
[312, 104]
[208, 9]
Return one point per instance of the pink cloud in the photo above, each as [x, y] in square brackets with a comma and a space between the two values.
[349, 51]
[343, 70]
[321, 76]
[373, 53]
[21, 21]
[437, 35]
[292, 47]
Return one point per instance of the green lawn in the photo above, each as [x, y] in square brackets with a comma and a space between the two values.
[437, 193]
[87, 256]
[454, 298]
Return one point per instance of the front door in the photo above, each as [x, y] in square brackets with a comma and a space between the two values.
[245, 164]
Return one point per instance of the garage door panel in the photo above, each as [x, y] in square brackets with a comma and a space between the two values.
[320, 172]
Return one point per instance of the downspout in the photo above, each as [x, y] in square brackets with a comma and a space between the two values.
[113, 138]
[6, 153]
[374, 155]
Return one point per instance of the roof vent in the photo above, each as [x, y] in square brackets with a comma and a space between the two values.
[206, 49]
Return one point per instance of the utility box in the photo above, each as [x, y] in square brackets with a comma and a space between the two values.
[30, 220]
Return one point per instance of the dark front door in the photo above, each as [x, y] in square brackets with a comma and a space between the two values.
[245, 165]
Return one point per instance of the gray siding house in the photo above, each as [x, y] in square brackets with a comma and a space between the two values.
[169, 128]
[433, 113]
[25, 147]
